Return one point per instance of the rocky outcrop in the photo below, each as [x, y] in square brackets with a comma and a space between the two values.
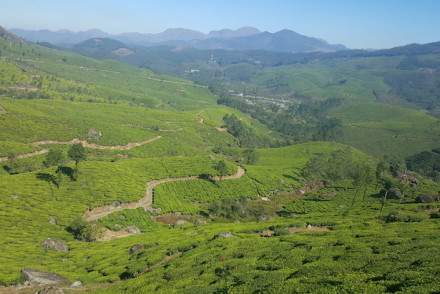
[51, 290]
[136, 248]
[57, 244]
[132, 230]
[225, 235]
[76, 284]
[38, 277]
[424, 198]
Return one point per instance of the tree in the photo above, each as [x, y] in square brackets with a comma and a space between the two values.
[221, 168]
[77, 153]
[85, 231]
[250, 156]
[362, 179]
[54, 157]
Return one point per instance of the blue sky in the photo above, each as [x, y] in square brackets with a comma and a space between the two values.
[354, 23]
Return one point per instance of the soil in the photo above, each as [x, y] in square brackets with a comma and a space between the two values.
[294, 230]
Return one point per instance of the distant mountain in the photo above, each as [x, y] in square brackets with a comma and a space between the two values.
[282, 41]
[61, 37]
[227, 33]
[246, 38]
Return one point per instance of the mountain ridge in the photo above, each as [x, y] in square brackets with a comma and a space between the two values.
[245, 38]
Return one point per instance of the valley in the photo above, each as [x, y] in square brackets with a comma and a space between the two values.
[154, 180]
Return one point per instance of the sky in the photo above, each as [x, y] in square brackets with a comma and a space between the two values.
[354, 23]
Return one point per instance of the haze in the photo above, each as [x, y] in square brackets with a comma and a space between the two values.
[356, 24]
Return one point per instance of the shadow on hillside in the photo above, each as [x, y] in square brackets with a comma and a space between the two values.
[68, 171]
[208, 178]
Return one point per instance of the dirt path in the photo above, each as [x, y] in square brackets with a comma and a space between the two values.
[175, 82]
[26, 155]
[96, 146]
[147, 200]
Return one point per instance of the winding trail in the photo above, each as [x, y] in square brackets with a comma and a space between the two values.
[147, 201]
[84, 143]
[96, 146]
[20, 156]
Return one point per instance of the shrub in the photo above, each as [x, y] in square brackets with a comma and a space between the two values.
[85, 231]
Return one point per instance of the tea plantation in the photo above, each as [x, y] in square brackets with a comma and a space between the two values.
[303, 218]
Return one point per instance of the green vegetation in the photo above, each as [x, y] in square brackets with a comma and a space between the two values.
[308, 217]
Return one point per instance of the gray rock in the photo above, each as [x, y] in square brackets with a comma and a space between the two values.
[136, 248]
[51, 290]
[264, 218]
[225, 235]
[38, 277]
[132, 230]
[179, 222]
[200, 221]
[15, 196]
[53, 221]
[54, 243]
[424, 198]
[76, 284]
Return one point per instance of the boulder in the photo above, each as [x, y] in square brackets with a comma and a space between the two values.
[265, 218]
[51, 290]
[38, 277]
[136, 248]
[54, 243]
[424, 198]
[225, 235]
[393, 193]
[15, 196]
[179, 222]
[76, 284]
[200, 221]
[132, 230]
[53, 221]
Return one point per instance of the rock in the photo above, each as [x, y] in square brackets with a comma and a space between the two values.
[183, 228]
[116, 204]
[424, 198]
[328, 195]
[225, 235]
[211, 157]
[54, 243]
[136, 248]
[153, 210]
[264, 218]
[53, 221]
[121, 216]
[76, 284]
[179, 222]
[309, 226]
[51, 290]
[395, 193]
[200, 221]
[132, 230]
[38, 277]
[118, 226]
[94, 134]
[177, 213]
[15, 196]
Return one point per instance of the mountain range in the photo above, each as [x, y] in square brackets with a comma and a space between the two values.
[246, 38]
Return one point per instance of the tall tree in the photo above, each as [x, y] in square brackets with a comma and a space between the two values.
[77, 153]
[250, 156]
[54, 157]
[221, 168]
